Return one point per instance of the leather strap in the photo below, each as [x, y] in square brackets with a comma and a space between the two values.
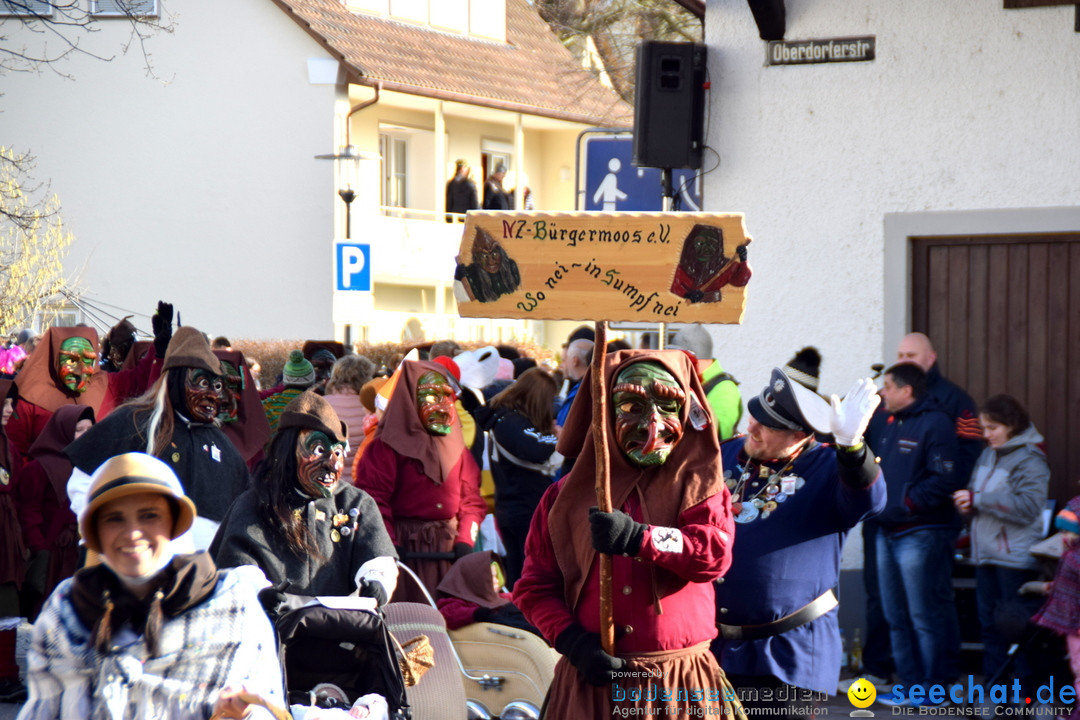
[808, 613]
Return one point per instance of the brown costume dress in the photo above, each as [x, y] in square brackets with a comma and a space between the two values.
[427, 486]
[691, 478]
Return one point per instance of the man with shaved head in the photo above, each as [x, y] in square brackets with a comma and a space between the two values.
[951, 399]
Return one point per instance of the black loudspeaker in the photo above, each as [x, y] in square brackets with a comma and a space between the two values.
[669, 107]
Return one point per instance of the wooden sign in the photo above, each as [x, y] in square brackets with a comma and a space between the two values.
[630, 267]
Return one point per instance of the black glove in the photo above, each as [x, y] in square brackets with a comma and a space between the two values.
[273, 599]
[615, 533]
[583, 651]
[462, 549]
[373, 589]
[741, 252]
[162, 324]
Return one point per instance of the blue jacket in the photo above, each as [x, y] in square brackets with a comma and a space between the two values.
[960, 409]
[917, 447]
[785, 560]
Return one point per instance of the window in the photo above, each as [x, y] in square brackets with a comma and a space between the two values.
[58, 316]
[26, 8]
[138, 8]
[395, 152]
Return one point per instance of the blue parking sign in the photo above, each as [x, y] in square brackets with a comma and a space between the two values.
[611, 182]
[353, 266]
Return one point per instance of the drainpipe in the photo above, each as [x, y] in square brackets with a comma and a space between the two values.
[357, 108]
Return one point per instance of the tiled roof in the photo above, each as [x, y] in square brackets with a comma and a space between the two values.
[531, 73]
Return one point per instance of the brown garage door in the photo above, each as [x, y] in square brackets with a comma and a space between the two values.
[1003, 312]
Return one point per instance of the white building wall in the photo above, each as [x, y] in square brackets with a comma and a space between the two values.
[199, 188]
[967, 108]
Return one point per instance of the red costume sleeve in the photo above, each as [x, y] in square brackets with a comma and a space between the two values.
[457, 612]
[539, 591]
[473, 508]
[703, 552]
[127, 384]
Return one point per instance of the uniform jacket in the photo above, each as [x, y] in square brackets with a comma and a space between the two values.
[785, 560]
[225, 640]
[1009, 494]
[917, 447]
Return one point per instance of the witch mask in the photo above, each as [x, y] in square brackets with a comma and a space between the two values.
[648, 406]
[76, 364]
[204, 393]
[435, 403]
[319, 462]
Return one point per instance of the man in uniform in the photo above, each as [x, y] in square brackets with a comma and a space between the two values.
[794, 501]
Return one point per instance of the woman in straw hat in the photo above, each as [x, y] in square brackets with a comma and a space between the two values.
[149, 633]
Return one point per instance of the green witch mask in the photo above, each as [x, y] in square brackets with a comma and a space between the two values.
[648, 405]
[77, 364]
[435, 403]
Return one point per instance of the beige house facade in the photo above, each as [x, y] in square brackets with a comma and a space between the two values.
[190, 174]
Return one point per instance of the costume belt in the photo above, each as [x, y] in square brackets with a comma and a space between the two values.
[807, 613]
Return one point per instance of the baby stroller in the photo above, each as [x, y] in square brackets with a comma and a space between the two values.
[493, 671]
[339, 647]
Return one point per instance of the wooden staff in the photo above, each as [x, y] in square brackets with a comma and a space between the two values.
[603, 485]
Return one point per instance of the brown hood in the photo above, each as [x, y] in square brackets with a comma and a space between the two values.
[469, 578]
[691, 474]
[402, 430]
[57, 434]
[251, 431]
[39, 380]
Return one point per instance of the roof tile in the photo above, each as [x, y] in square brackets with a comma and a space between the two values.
[531, 73]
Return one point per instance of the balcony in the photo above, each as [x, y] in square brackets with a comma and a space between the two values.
[411, 247]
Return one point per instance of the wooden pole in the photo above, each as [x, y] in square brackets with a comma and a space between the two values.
[603, 485]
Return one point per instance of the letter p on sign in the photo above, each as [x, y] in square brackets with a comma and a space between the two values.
[353, 267]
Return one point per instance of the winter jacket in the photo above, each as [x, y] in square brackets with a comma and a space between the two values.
[960, 408]
[523, 461]
[1009, 494]
[917, 447]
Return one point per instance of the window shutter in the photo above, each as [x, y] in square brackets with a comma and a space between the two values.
[139, 8]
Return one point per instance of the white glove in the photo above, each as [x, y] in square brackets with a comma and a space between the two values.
[850, 416]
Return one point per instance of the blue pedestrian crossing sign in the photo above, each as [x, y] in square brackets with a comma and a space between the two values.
[352, 266]
[608, 181]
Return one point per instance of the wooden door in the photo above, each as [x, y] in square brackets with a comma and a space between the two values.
[1003, 312]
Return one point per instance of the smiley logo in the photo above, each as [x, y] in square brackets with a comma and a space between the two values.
[862, 693]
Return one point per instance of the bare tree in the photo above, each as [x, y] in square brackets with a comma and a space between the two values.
[58, 28]
[616, 27]
[33, 244]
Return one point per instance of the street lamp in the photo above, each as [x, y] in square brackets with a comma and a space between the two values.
[347, 169]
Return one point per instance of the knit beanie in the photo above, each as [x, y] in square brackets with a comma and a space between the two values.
[805, 368]
[694, 338]
[189, 349]
[1067, 521]
[298, 371]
